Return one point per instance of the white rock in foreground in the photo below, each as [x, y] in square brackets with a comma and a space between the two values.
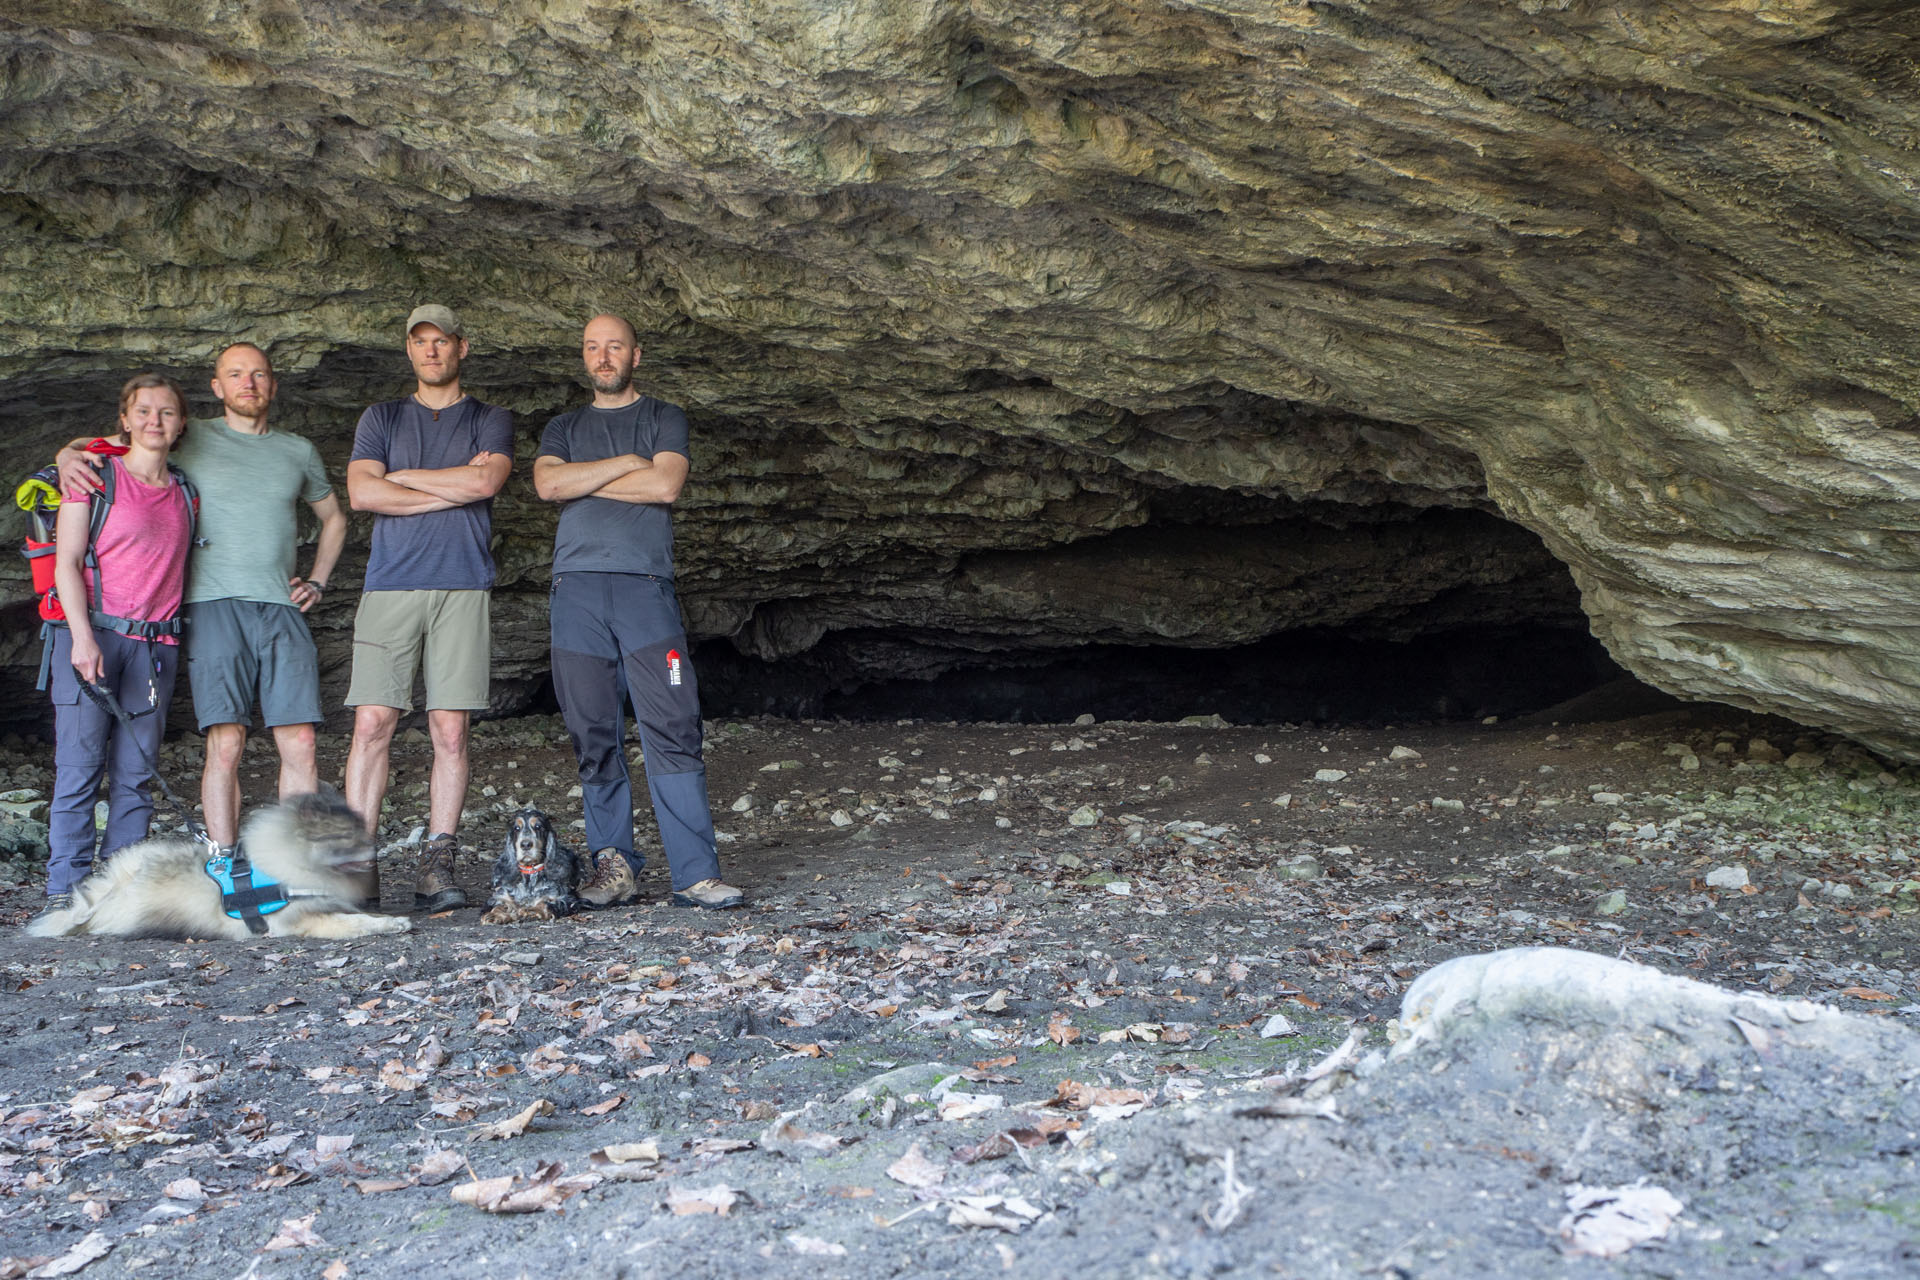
[1578, 986]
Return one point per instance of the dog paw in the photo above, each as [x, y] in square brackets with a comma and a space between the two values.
[394, 924]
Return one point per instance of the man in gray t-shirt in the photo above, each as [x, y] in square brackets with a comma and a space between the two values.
[617, 465]
[246, 639]
[427, 466]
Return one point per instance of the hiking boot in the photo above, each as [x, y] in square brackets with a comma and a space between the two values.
[370, 887]
[55, 902]
[714, 895]
[434, 889]
[610, 883]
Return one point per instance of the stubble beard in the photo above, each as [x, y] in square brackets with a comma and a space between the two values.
[255, 412]
[445, 378]
[612, 383]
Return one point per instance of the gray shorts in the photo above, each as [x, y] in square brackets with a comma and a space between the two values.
[240, 651]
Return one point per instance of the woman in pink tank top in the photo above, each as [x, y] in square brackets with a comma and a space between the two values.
[121, 636]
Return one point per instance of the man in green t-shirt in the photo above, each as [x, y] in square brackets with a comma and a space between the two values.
[246, 639]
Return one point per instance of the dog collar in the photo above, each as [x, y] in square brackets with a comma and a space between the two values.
[531, 871]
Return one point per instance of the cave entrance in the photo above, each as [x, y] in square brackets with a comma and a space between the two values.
[1318, 676]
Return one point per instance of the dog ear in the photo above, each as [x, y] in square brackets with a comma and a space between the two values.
[552, 853]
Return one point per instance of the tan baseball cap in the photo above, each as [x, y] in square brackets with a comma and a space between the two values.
[441, 318]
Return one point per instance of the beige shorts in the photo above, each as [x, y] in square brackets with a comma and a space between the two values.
[394, 630]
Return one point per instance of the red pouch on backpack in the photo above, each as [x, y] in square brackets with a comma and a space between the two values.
[39, 496]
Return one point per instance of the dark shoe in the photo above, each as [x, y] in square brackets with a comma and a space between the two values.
[55, 902]
[711, 894]
[434, 889]
[611, 882]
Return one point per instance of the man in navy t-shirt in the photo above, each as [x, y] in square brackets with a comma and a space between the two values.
[617, 465]
[427, 466]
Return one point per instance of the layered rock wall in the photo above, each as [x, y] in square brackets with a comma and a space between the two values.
[947, 283]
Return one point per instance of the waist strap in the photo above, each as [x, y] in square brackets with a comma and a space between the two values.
[137, 628]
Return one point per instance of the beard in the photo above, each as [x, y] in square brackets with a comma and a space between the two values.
[252, 409]
[610, 382]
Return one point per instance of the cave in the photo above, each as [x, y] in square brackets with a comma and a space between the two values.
[1355, 324]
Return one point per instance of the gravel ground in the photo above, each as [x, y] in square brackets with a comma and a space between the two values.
[1008, 996]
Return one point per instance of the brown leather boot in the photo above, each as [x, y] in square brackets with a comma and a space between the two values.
[434, 889]
[370, 886]
[611, 882]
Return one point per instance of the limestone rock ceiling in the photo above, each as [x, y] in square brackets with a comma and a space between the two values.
[957, 293]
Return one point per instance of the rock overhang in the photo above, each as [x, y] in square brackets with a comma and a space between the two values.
[952, 281]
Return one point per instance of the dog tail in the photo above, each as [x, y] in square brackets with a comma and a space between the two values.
[62, 924]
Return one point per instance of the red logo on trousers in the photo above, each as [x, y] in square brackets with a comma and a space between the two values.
[673, 666]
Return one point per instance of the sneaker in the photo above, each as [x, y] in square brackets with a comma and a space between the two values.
[714, 895]
[610, 881]
[434, 889]
[55, 902]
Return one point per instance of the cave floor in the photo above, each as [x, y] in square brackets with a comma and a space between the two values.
[1120, 935]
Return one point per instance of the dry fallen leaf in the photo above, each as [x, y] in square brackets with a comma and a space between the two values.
[716, 1199]
[294, 1233]
[1060, 1031]
[785, 1133]
[92, 1247]
[515, 1125]
[915, 1170]
[278, 1176]
[437, 1166]
[1084, 1097]
[373, 1186]
[695, 1061]
[1603, 1222]
[482, 1192]
[601, 1108]
[631, 1044]
[546, 1189]
[336, 1270]
[184, 1189]
[625, 1153]
[979, 1211]
[1865, 993]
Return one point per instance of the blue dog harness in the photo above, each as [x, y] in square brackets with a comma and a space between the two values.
[245, 894]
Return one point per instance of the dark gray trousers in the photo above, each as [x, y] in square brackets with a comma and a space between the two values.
[618, 636]
[89, 743]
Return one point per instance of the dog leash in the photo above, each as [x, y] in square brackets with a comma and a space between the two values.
[104, 699]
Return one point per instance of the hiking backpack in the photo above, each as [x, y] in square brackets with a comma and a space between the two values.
[39, 496]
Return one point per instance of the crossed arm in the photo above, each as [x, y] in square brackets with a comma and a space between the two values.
[626, 478]
[415, 491]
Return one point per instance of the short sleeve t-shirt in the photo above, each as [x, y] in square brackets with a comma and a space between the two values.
[435, 550]
[604, 535]
[141, 550]
[251, 488]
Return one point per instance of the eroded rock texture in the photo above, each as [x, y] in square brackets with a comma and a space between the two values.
[1029, 323]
